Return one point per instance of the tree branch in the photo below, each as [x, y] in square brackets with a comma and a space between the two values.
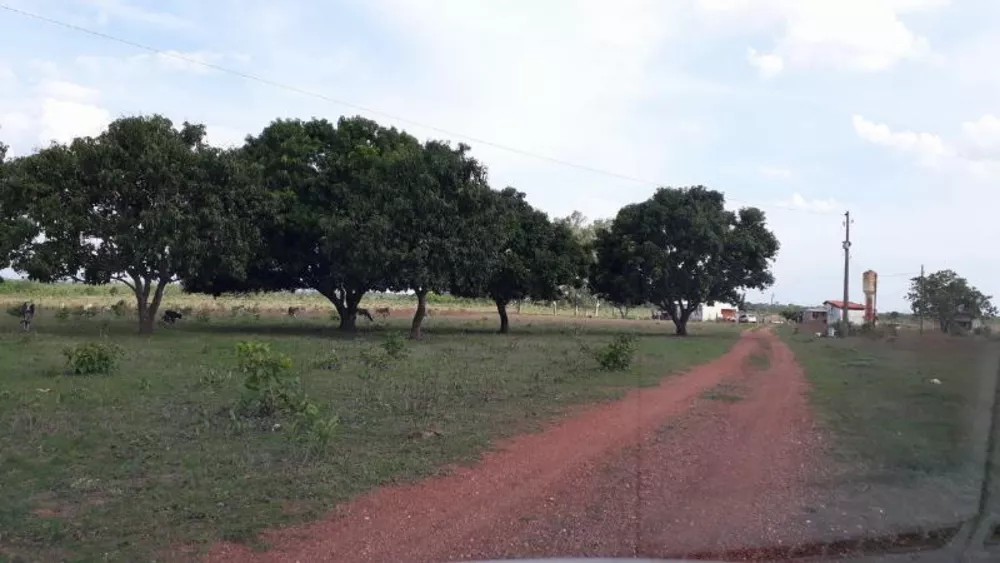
[122, 279]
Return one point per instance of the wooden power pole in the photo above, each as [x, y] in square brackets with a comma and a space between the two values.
[845, 312]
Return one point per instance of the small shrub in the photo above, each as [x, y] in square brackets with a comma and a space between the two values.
[330, 362]
[14, 311]
[983, 330]
[271, 390]
[91, 358]
[268, 386]
[617, 355]
[62, 314]
[395, 346]
[375, 358]
[203, 316]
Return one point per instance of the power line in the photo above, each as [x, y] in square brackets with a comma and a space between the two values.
[359, 107]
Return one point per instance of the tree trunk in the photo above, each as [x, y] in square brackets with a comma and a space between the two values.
[418, 316]
[346, 303]
[349, 310]
[680, 324]
[597, 309]
[504, 322]
[348, 322]
[519, 301]
[554, 305]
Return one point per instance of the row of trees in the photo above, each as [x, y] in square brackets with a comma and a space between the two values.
[349, 208]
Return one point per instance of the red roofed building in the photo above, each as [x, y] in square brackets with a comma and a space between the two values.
[835, 311]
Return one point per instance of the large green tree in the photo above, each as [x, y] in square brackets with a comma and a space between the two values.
[945, 295]
[538, 259]
[448, 226]
[15, 228]
[330, 222]
[143, 204]
[680, 249]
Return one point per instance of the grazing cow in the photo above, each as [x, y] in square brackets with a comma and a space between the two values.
[383, 312]
[170, 316]
[27, 315]
[362, 312]
[294, 311]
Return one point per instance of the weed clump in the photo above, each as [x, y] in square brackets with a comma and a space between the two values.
[271, 391]
[618, 354]
[92, 358]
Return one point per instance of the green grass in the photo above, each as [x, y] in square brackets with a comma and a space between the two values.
[120, 466]
[55, 295]
[887, 419]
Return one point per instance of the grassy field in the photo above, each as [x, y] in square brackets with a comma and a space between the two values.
[888, 417]
[54, 296]
[121, 466]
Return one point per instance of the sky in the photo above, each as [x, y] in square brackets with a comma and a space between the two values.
[889, 109]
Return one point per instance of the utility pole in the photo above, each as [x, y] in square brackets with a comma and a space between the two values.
[920, 310]
[844, 322]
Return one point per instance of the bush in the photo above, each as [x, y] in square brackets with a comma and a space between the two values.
[617, 355]
[375, 358]
[269, 386]
[203, 316]
[14, 311]
[62, 314]
[271, 390]
[91, 358]
[983, 330]
[395, 346]
[330, 362]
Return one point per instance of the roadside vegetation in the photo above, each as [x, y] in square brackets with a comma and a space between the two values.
[158, 442]
[898, 407]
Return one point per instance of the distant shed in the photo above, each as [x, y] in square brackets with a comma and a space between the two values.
[835, 312]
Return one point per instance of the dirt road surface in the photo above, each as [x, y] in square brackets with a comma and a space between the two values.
[711, 462]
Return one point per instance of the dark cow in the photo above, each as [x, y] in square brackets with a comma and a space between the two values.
[27, 315]
[383, 312]
[362, 312]
[294, 311]
[170, 316]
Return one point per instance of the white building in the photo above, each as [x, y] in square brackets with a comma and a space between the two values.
[835, 311]
[715, 312]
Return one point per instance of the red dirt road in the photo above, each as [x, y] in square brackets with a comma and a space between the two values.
[720, 455]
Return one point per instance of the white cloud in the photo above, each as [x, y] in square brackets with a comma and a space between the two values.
[982, 138]
[108, 10]
[798, 202]
[67, 90]
[928, 148]
[775, 172]
[63, 120]
[767, 65]
[224, 137]
[858, 35]
[110, 68]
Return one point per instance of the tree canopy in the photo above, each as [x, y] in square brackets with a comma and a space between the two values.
[347, 208]
[945, 296]
[680, 249]
[537, 260]
[143, 204]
